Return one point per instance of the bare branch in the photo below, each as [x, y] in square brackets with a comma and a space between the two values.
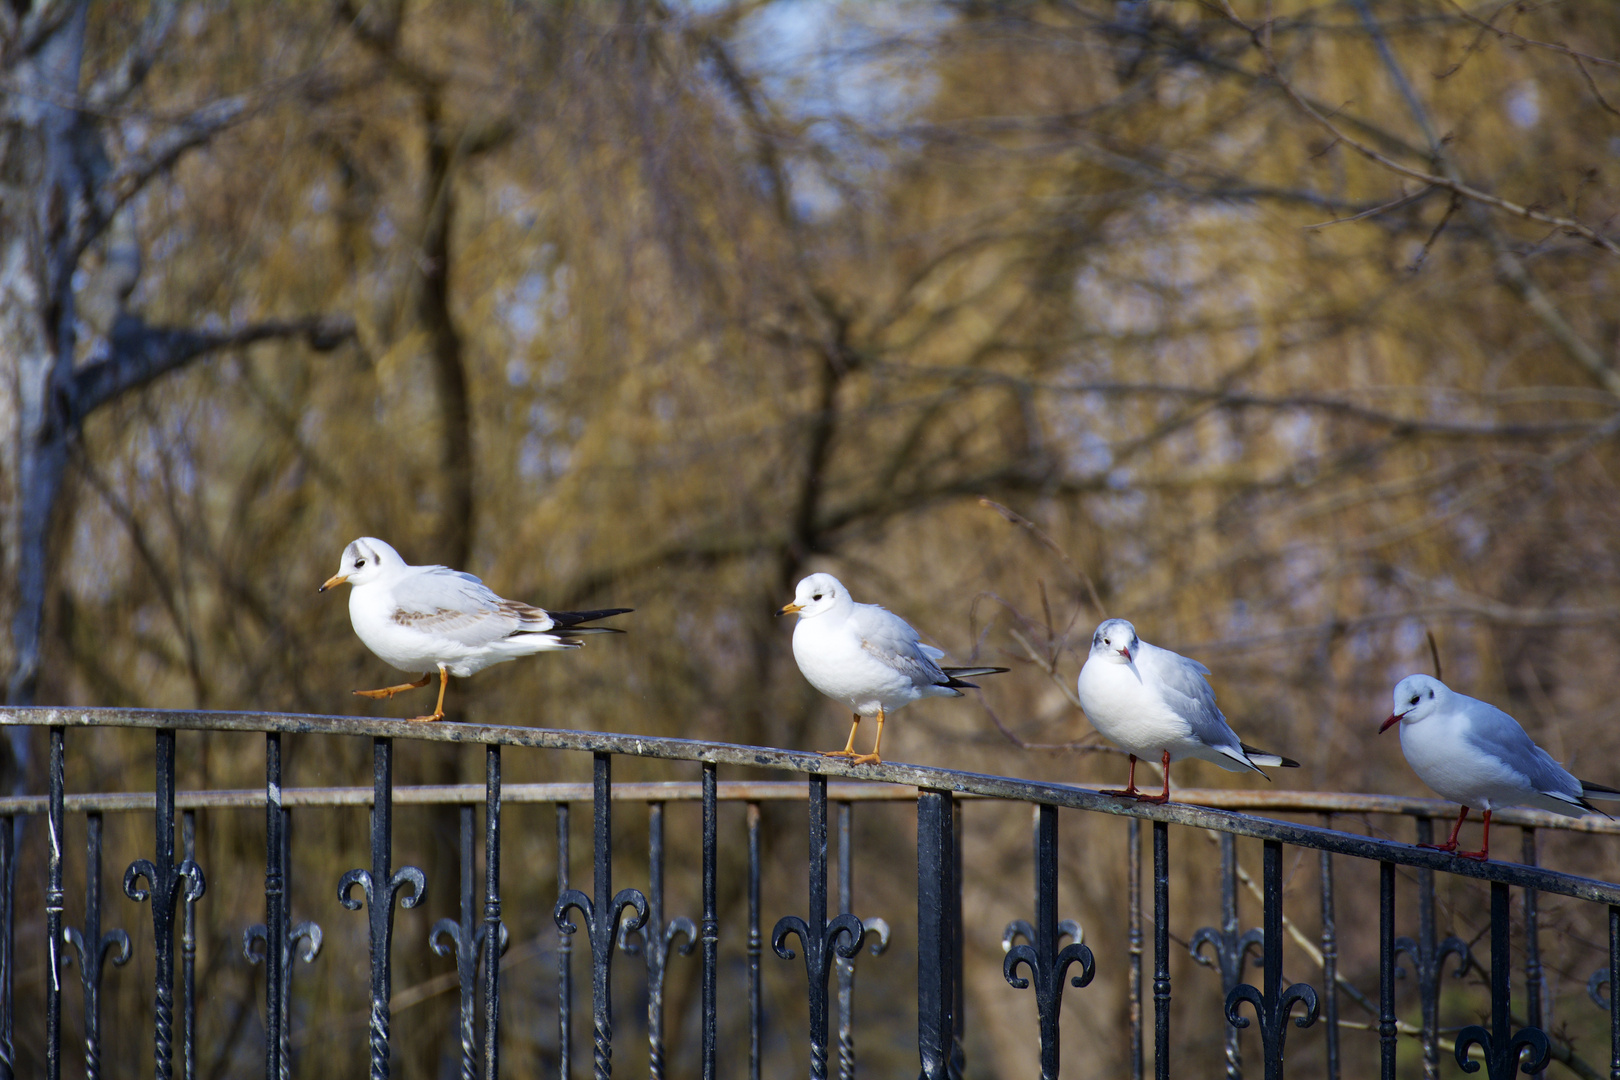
[141, 353]
[113, 87]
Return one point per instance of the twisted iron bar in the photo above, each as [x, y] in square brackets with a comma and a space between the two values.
[92, 947]
[381, 885]
[465, 938]
[820, 938]
[164, 876]
[601, 917]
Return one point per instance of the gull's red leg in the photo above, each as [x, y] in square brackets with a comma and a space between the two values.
[1451, 844]
[1130, 791]
[1163, 797]
[1484, 852]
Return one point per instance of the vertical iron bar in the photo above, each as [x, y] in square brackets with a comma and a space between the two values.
[1534, 982]
[275, 908]
[1229, 931]
[8, 944]
[817, 924]
[1161, 950]
[1428, 935]
[1330, 962]
[54, 901]
[381, 884]
[658, 936]
[1614, 996]
[958, 975]
[92, 947]
[1386, 970]
[845, 966]
[711, 916]
[381, 908]
[755, 941]
[934, 990]
[602, 957]
[188, 954]
[1046, 936]
[463, 944]
[1133, 876]
[565, 958]
[493, 930]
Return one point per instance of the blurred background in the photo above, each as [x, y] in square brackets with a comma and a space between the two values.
[1285, 330]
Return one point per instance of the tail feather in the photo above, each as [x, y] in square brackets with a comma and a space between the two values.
[1598, 791]
[956, 677]
[1266, 757]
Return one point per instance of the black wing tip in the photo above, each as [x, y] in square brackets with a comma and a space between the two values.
[1282, 762]
[574, 618]
[1601, 789]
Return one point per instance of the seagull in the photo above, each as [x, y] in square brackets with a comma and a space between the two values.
[1154, 702]
[1473, 753]
[866, 657]
[418, 618]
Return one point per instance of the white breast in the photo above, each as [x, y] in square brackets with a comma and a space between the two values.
[833, 661]
[1457, 771]
[1130, 714]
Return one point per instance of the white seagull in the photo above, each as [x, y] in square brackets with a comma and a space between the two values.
[866, 657]
[1473, 753]
[418, 618]
[1153, 702]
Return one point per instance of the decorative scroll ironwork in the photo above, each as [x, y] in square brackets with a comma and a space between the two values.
[1229, 946]
[1503, 1047]
[844, 967]
[1272, 1007]
[164, 877]
[277, 888]
[1429, 959]
[381, 884]
[657, 939]
[1048, 965]
[601, 917]
[92, 947]
[465, 938]
[820, 938]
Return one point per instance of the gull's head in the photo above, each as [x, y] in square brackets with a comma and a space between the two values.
[1115, 640]
[1416, 698]
[816, 595]
[364, 561]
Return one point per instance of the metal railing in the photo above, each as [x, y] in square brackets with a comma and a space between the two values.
[1035, 955]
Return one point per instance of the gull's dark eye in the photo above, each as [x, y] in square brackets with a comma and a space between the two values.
[358, 563]
[1415, 698]
[816, 597]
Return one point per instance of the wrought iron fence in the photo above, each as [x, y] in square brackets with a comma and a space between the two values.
[636, 921]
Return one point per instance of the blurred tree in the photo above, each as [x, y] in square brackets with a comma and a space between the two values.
[1290, 325]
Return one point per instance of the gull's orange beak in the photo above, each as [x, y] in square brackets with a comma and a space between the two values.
[1387, 724]
[335, 579]
[790, 609]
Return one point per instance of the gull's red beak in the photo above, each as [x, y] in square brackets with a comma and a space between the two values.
[1387, 724]
[1126, 653]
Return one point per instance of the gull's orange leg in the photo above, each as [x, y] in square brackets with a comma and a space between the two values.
[390, 691]
[1484, 852]
[872, 758]
[1130, 791]
[849, 747]
[438, 710]
[1451, 844]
